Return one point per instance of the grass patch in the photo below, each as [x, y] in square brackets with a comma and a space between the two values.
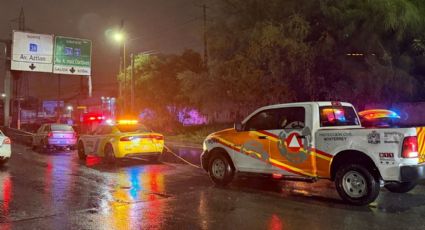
[196, 134]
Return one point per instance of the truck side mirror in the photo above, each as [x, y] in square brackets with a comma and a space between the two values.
[238, 127]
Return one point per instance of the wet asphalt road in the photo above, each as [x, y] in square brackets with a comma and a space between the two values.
[56, 191]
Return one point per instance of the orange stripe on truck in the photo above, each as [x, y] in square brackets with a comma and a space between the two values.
[420, 133]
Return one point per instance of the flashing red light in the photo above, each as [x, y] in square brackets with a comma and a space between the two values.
[91, 117]
[153, 137]
[410, 147]
[7, 141]
[372, 114]
[277, 176]
[130, 138]
[50, 134]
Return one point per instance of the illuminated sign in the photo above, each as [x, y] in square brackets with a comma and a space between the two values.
[32, 52]
[72, 56]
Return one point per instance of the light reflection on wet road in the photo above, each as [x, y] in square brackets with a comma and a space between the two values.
[56, 191]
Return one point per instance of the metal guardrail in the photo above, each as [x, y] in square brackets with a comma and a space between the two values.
[17, 135]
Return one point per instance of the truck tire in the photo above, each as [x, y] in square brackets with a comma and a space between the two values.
[356, 184]
[220, 169]
[81, 152]
[3, 162]
[401, 187]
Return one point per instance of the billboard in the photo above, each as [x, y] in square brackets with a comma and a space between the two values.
[32, 52]
[72, 56]
[51, 107]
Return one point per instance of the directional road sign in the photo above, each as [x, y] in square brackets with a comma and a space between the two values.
[32, 52]
[72, 56]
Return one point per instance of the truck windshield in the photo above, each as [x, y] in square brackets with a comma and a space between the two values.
[337, 116]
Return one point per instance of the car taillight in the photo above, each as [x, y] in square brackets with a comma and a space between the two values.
[156, 137]
[50, 134]
[7, 141]
[410, 147]
[126, 138]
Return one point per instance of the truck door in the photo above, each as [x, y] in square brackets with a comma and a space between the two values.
[291, 143]
[254, 142]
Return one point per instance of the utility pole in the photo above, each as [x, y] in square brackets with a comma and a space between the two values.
[132, 84]
[18, 80]
[21, 20]
[58, 107]
[205, 36]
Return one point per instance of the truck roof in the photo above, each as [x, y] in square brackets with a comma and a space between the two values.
[318, 103]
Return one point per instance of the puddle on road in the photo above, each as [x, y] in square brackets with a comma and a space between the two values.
[6, 196]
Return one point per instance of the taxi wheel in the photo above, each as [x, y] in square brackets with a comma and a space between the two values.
[109, 154]
[356, 184]
[81, 152]
[220, 169]
[401, 187]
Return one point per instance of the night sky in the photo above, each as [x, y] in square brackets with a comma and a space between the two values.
[163, 26]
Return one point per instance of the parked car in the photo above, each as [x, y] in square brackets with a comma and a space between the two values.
[318, 140]
[5, 148]
[54, 136]
[126, 138]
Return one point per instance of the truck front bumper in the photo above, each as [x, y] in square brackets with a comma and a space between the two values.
[412, 173]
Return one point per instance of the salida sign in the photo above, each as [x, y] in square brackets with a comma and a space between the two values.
[32, 52]
[37, 53]
[72, 56]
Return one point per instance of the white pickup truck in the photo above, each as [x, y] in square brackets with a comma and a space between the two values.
[318, 140]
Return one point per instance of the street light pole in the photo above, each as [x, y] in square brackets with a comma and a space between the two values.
[132, 84]
[125, 77]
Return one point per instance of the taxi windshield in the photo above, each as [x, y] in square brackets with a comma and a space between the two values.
[128, 128]
[337, 116]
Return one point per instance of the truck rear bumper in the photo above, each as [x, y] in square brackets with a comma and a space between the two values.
[412, 173]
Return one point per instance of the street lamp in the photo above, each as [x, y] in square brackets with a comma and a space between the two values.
[120, 37]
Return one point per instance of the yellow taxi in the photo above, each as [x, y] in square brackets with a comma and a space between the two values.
[121, 139]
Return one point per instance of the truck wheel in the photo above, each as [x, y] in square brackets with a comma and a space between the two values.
[220, 169]
[109, 154]
[81, 152]
[401, 187]
[3, 162]
[356, 184]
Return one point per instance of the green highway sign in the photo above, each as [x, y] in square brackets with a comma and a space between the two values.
[72, 56]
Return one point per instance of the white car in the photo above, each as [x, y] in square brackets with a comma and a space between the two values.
[50, 136]
[5, 148]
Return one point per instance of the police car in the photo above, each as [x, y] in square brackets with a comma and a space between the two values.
[318, 140]
[125, 138]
